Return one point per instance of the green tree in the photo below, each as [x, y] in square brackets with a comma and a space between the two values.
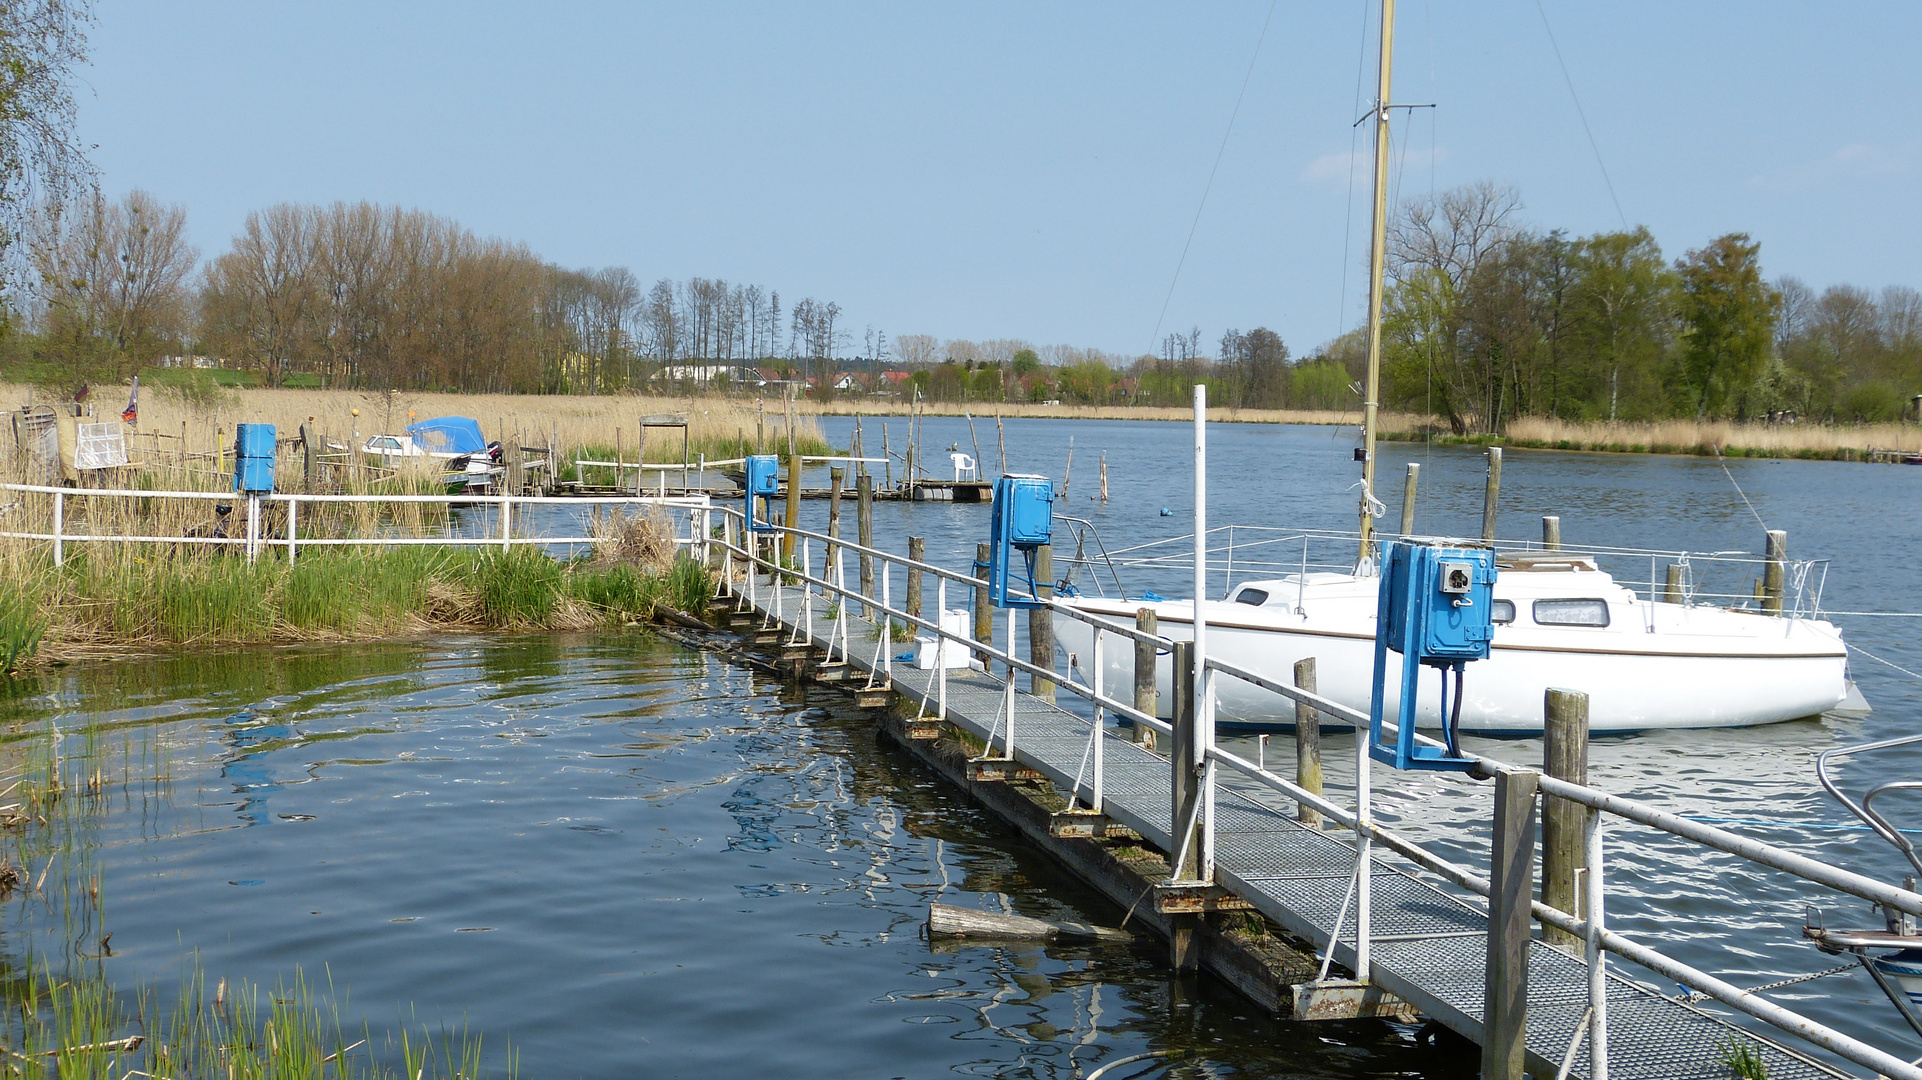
[1728, 321]
[1619, 307]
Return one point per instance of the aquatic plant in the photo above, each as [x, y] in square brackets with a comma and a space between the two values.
[21, 628]
[1743, 1058]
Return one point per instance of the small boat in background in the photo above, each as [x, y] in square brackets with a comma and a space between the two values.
[472, 464]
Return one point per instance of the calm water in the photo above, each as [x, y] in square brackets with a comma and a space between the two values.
[633, 859]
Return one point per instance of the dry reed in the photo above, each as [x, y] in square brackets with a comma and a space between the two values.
[1216, 413]
[1806, 440]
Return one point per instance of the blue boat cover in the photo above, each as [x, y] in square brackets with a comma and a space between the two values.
[448, 435]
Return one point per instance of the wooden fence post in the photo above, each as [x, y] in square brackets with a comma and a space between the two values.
[1147, 623]
[1564, 757]
[1512, 886]
[1307, 742]
[1041, 624]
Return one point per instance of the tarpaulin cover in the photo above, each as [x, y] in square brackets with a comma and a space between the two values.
[448, 435]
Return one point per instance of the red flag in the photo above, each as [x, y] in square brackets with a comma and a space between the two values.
[131, 414]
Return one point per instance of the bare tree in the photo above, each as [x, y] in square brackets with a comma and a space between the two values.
[41, 161]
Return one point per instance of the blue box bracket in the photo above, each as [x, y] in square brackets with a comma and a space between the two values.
[1021, 520]
[1435, 608]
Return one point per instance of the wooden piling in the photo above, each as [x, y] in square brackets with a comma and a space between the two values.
[1551, 532]
[1565, 757]
[1307, 742]
[514, 475]
[1672, 590]
[837, 480]
[793, 502]
[983, 612]
[1041, 624]
[917, 552]
[1491, 495]
[309, 458]
[864, 524]
[1408, 498]
[1183, 951]
[1775, 574]
[1184, 780]
[1512, 886]
[1147, 623]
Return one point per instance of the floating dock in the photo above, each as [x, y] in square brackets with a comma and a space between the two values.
[1429, 941]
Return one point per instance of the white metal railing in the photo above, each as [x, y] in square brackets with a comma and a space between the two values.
[699, 467]
[1591, 929]
[696, 510]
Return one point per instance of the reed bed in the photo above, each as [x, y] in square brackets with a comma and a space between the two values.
[1847, 442]
[716, 425]
[1216, 413]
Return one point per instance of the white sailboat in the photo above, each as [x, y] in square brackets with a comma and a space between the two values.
[1560, 620]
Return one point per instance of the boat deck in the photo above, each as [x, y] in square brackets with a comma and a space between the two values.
[1429, 939]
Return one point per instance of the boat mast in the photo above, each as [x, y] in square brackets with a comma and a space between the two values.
[1377, 257]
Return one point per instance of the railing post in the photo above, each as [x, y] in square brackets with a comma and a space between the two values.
[507, 523]
[293, 528]
[1147, 623]
[983, 613]
[887, 625]
[253, 526]
[59, 522]
[1491, 495]
[1564, 757]
[1307, 743]
[1777, 548]
[1597, 958]
[864, 525]
[1408, 499]
[941, 646]
[1100, 721]
[1041, 624]
[1511, 888]
[917, 552]
[1181, 766]
[1007, 691]
[1204, 753]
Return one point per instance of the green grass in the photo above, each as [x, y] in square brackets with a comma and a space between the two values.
[153, 597]
[1743, 1058]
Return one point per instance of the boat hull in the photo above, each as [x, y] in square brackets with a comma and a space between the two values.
[1654, 688]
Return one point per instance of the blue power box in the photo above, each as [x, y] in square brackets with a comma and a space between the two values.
[1021, 520]
[254, 458]
[763, 482]
[1436, 608]
[1439, 601]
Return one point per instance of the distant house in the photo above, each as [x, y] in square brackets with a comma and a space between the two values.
[1124, 389]
[846, 381]
[709, 374]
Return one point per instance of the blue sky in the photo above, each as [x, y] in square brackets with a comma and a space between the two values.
[1020, 170]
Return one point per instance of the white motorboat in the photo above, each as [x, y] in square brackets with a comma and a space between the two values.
[1560, 622]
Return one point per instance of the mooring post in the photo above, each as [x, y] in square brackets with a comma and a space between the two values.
[1564, 824]
[1041, 624]
[1511, 887]
[983, 612]
[864, 525]
[1185, 787]
[1551, 532]
[793, 503]
[917, 548]
[1147, 623]
[837, 477]
[309, 458]
[516, 475]
[1408, 498]
[1672, 590]
[1773, 575]
[1492, 494]
[1307, 743]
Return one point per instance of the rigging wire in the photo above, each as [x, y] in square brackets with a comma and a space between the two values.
[1219, 154]
[1723, 462]
[1576, 98]
[1354, 135]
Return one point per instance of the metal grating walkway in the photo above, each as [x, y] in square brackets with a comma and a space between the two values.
[1429, 945]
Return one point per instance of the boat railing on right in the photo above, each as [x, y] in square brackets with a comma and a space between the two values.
[1238, 553]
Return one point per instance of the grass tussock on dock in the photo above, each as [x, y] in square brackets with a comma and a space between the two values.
[1822, 442]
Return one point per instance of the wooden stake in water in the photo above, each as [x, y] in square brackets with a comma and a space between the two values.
[983, 613]
[1104, 478]
[1551, 532]
[917, 553]
[1672, 590]
[1408, 498]
[1147, 623]
[1001, 436]
[793, 497]
[1565, 757]
[864, 522]
[976, 439]
[1067, 473]
[1041, 624]
[836, 477]
[1775, 573]
[1307, 743]
[1491, 495]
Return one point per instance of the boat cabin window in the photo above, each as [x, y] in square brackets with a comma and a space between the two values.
[1252, 597]
[386, 444]
[1502, 612]
[1571, 612]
